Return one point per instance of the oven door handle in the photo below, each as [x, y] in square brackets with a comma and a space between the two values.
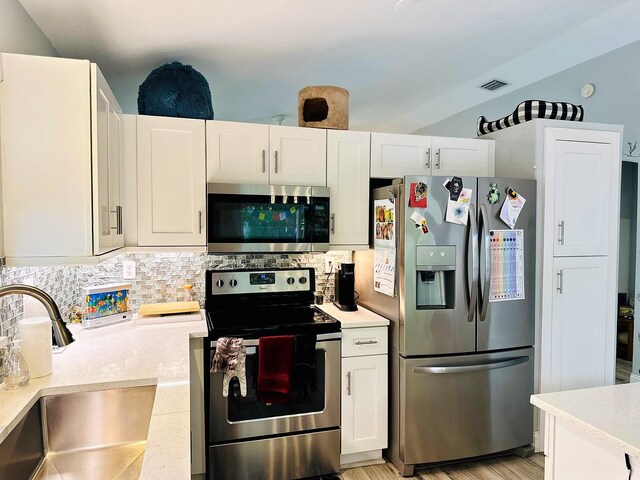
[254, 342]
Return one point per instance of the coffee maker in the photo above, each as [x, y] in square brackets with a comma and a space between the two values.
[345, 287]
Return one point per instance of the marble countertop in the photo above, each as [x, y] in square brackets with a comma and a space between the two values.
[609, 413]
[360, 318]
[126, 354]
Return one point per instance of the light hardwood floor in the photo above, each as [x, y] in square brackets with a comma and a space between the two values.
[623, 370]
[501, 468]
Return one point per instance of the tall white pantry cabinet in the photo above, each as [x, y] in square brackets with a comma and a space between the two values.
[60, 130]
[577, 167]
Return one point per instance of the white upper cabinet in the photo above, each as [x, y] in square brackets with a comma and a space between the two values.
[60, 138]
[462, 157]
[348, 181]
[265, 154]
[171, 181]
[582, 197]
[394, 155]
[237, 152]
[106, 158]
[298, 156]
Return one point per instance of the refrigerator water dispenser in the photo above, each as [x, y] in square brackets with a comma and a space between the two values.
[435, 276]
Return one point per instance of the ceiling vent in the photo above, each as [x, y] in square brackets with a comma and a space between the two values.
[494, 84]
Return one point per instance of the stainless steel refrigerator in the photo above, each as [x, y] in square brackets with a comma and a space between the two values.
[462, 318]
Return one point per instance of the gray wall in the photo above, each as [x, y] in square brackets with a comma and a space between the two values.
[616, 99]
[19, 33]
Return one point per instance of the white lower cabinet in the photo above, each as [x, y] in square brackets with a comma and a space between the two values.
[364, 394]
[572, 454]
[579, 348]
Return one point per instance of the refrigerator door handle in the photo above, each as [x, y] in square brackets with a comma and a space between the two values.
[472, 245]
[487, 262]
[503, 363]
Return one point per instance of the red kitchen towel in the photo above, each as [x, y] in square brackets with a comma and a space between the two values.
[275, 360]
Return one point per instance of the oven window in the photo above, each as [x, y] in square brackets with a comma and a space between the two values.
[307, 392]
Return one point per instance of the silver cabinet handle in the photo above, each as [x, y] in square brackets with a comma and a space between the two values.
[264, 161]
[348, 383]
[199, 221]
[561, 233]
[507, 362]
[428, 164]
[333, 223]
[118, 227]
[560, 281]
[438, 159]
[275, 169]
[365, 342]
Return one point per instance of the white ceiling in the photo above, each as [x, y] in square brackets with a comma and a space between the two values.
[404, 67]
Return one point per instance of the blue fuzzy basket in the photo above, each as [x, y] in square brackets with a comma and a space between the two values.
[175, 90]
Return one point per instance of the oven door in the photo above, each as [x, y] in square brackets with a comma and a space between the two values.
[267, 218]
[314, 402]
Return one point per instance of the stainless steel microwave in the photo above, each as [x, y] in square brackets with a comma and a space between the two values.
[267, 218]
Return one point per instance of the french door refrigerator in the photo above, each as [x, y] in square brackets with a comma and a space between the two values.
[462, 317]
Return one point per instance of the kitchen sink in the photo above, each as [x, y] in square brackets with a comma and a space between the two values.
[99, 435]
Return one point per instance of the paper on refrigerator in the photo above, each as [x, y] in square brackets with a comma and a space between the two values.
[384, 255]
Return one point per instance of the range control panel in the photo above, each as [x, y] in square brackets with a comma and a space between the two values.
[262, 281]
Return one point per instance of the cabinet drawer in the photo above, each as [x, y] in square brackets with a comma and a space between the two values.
[364, 341]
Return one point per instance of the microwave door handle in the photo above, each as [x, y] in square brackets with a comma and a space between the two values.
[472, 247]
[486, 281]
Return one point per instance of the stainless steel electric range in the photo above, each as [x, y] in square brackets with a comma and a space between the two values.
[248, 437]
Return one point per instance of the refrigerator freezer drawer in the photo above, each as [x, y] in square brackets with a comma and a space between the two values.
[465, 406]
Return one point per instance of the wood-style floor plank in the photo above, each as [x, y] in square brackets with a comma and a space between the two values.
[501, 468]
[516, 468]
[357, 473]
[382, 472]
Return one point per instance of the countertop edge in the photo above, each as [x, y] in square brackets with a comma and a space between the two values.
[585, 426]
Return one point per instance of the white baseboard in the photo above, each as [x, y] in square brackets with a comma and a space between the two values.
[361, 459]
[537, 442]
[634, 378]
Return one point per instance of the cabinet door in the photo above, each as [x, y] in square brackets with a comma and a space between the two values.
[106, 155]
[462, 157]
[582, 197]
[579, 323]
[393, 156]
[348, 180]
[298, 156]
[237, 152]
[364, 404]
[171, 181]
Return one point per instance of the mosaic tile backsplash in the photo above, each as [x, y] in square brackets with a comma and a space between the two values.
[159, 277]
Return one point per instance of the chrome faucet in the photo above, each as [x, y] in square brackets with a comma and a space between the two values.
[61, 334]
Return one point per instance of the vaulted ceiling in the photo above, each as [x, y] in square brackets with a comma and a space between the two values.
[406, 63]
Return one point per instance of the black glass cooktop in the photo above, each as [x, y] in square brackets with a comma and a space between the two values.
[268, 321]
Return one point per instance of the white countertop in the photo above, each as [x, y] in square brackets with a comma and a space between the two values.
[121, 355]
[360, 318]
[609, 413]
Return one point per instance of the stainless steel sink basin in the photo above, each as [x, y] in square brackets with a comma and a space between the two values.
[98, 435]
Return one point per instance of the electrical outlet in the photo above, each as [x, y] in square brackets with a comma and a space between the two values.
[328, 264]
[128, 270]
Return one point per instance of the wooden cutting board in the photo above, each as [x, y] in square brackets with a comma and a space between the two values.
[168, 308]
